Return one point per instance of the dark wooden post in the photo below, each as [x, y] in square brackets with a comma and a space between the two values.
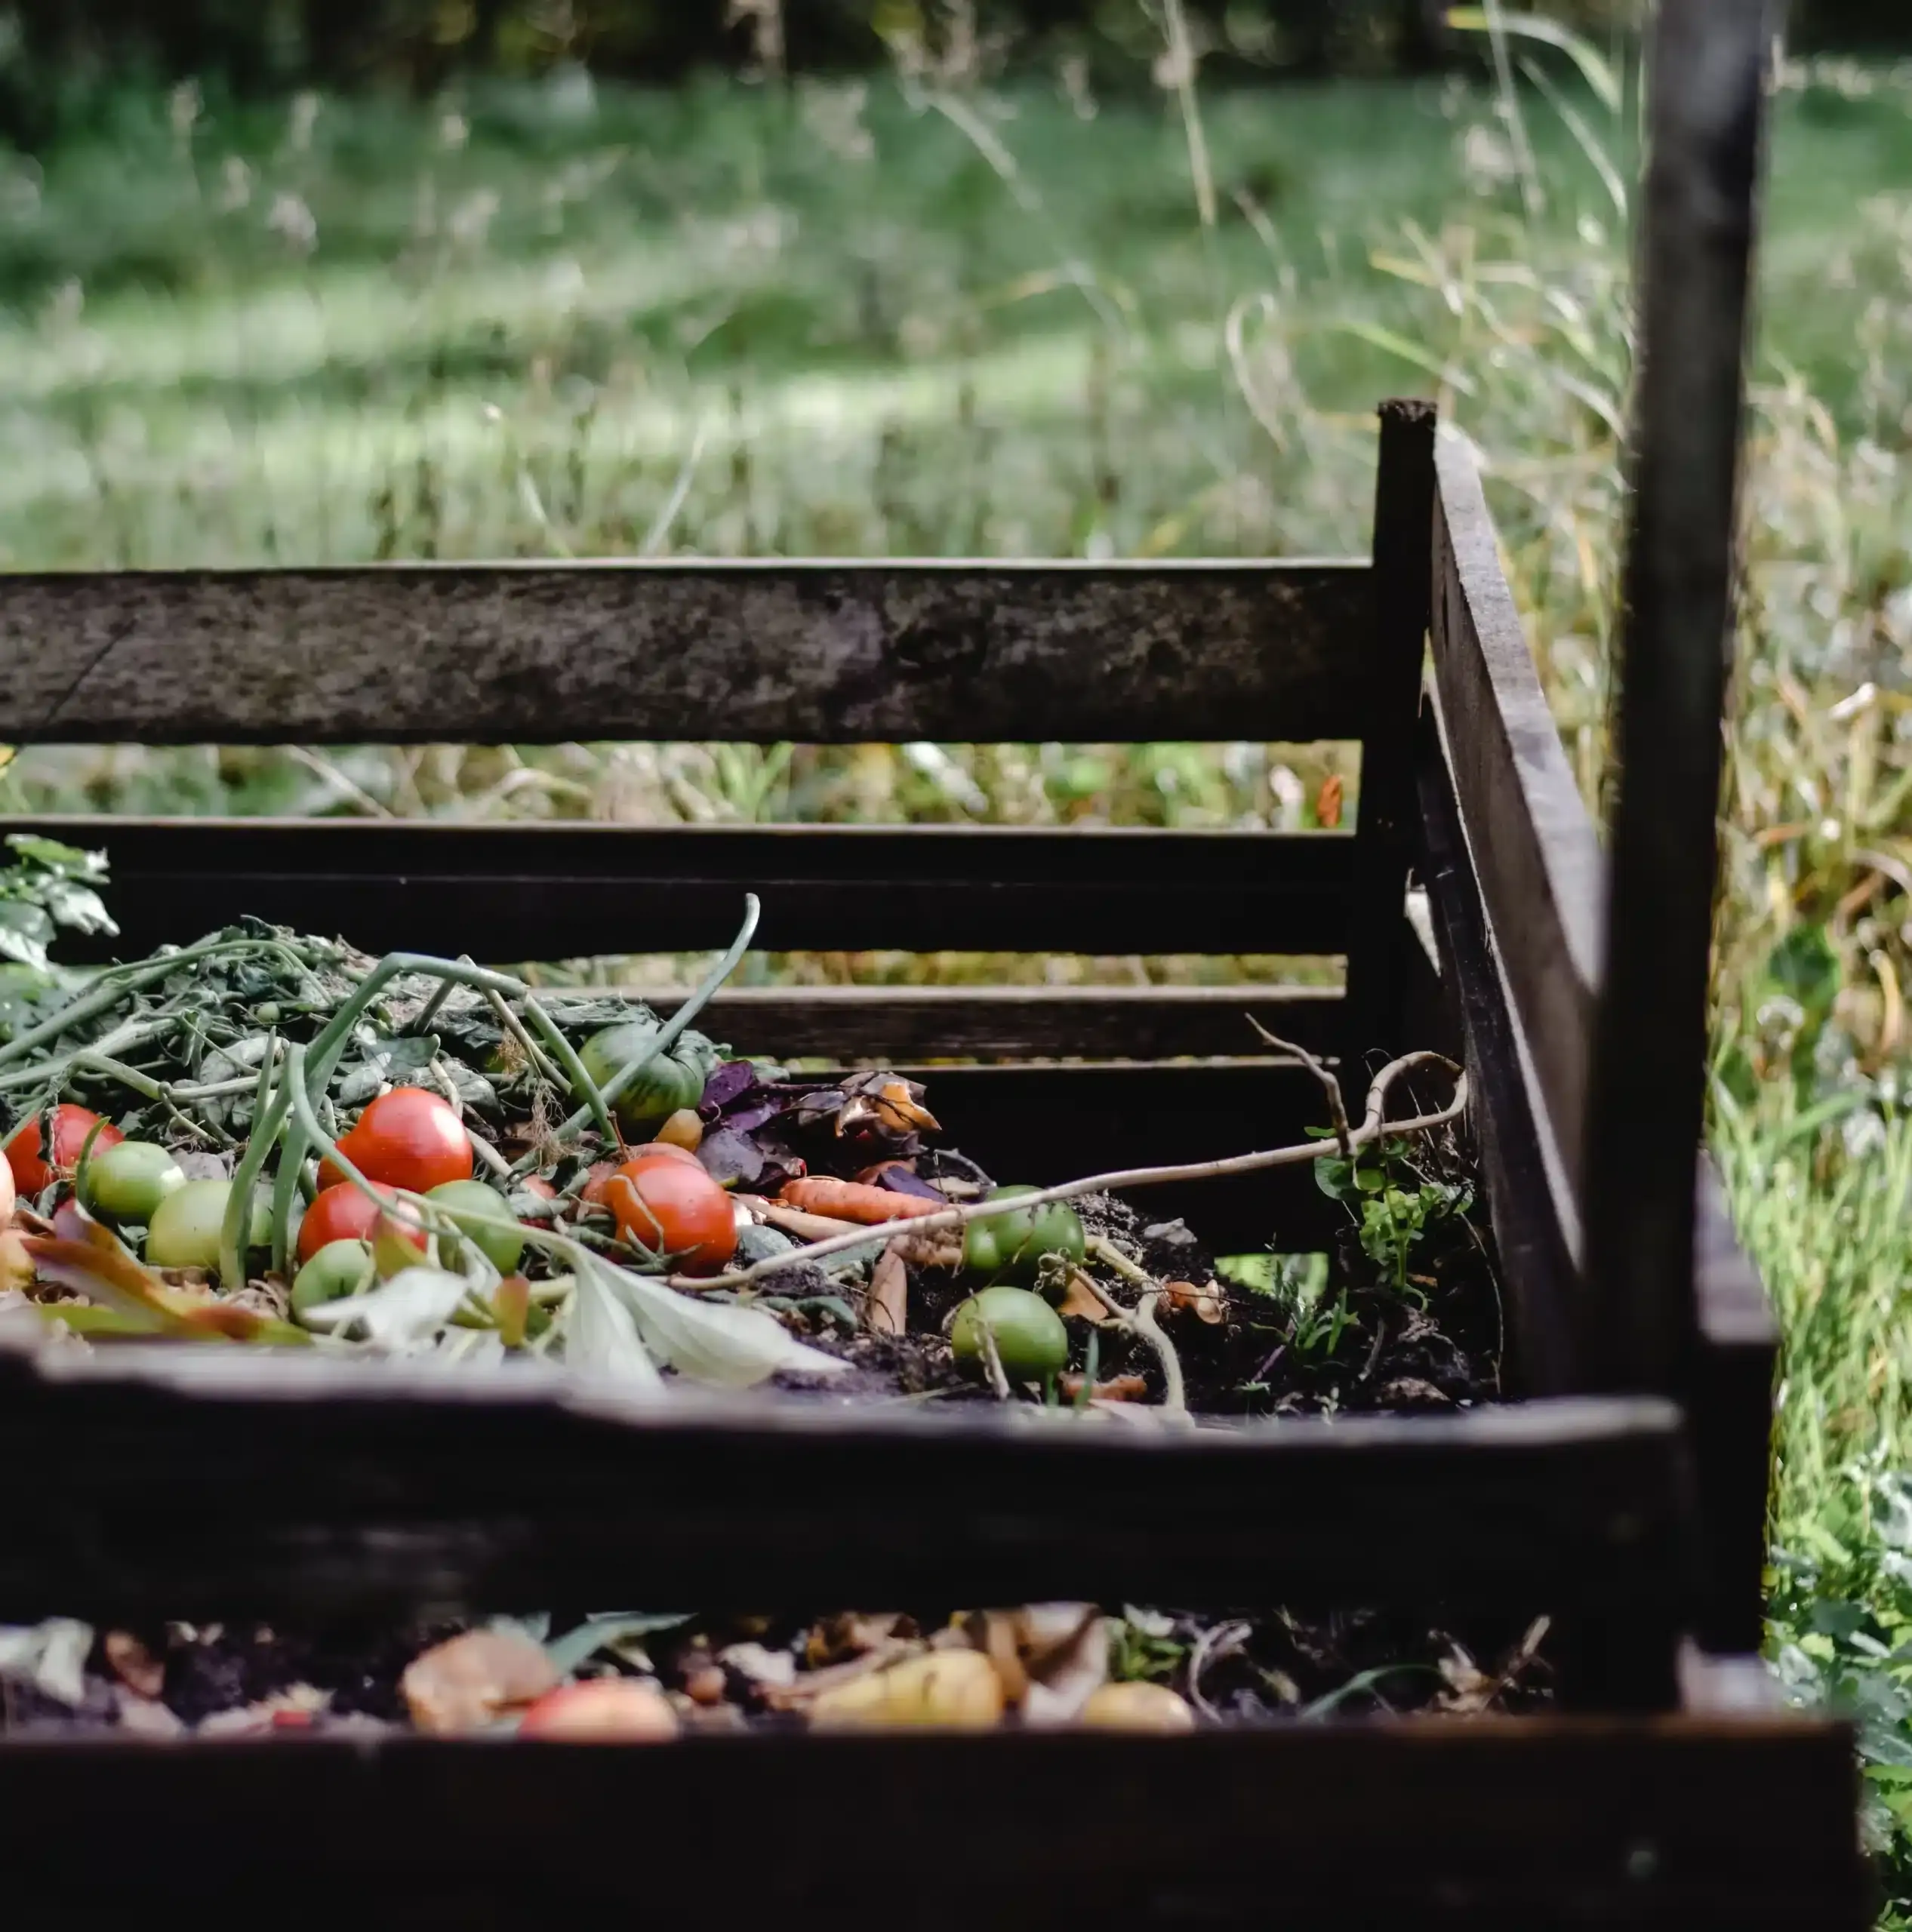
[1646, 1101]
[1384, 829]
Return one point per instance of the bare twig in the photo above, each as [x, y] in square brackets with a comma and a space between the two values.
[992, 1360]
[1139, 1320]
[1374, 1126]
[1337, 1113]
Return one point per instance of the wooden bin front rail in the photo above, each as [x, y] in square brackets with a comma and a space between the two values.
[1525, 1825]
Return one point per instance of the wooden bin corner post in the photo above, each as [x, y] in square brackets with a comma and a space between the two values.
[1658, 1320]
[1378, 933]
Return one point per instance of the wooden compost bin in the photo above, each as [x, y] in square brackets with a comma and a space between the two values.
[1623, 1493]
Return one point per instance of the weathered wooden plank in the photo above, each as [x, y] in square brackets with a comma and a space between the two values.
[210, 1483]
[857, 1024]
[1404, 505]
[1532, 845]
[1496, 1825]
[1647, 1100]
[767, 651]
[558, 891]
[1729, 1391]
[1537, 1277]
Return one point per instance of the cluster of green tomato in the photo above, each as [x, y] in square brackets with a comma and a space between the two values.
[1026, 1253]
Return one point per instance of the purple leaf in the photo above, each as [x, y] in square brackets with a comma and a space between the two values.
[730, 1082]
[900, 1179]
[729, 1159]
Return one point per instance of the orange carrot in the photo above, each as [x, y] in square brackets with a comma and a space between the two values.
[854, 1201]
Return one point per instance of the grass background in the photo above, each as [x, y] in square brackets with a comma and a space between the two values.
[928, 315]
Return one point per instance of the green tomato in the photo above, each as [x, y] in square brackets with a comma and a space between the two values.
[184, 1230]
[339, 1268]
[1010, 1247]
[128, 1181]
[664, 1088]
[504, 1250]
[1030, 1339]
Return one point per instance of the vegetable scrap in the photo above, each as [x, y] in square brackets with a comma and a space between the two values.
[650, 1678]
[270, 1140]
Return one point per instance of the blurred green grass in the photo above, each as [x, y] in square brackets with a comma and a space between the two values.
[942, 318]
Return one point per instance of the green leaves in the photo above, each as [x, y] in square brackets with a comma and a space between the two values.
[51, 886]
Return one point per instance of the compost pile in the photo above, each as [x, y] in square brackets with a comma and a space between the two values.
[267, 1140]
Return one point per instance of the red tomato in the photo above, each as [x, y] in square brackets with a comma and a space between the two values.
[603, 1710]
[594, 1194]
[407, 1138]
[342, 1213]
[674, 1209]
[71, 1125]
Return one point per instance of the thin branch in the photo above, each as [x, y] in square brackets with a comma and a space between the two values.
[1336, 1111]
[1374, 1126]
[1140, 1321]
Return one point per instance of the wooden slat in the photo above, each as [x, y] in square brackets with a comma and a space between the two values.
[559, 891]
[1533, 846]
[1404, 503]
[1537, 1276]
[1729, 1394]
[856, 1023]
[1495, 1824]
[209, 1482]
[769, 651]
[1709, 67]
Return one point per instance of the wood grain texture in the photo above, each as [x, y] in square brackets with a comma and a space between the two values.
[771, 651]
[1538, 1277]
[560, 891]
[1533, 846]
[205, 1483]
[857, 1024]
[1528, 1825]
[1647, 1100]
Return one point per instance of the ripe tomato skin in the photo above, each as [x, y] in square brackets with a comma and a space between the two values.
[408, 1138]
[342, 1213]
[26, 1154]
[673, 1208]
[603, 1710]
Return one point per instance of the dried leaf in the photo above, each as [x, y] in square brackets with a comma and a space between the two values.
[403, 1314]
[1208, 1301]
[472, 1680]
[768, 1670]
[51, 1656]
[889, 1293]
[718, 1343]
[1082, 1302]
[133, 1664]
[1327, 802]
[602, 1337]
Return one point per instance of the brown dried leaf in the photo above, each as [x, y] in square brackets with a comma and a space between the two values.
[1082, 1302]
[472, 1680]
[1327, 802]
[1208, 1301]
[889, 1293]
[133, 1664]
